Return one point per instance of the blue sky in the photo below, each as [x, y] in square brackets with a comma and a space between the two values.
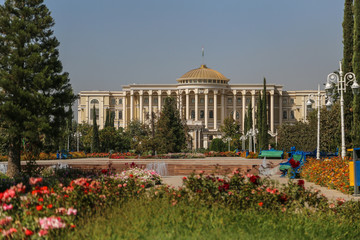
[109, 43]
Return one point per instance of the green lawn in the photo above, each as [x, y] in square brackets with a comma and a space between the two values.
[159, 219]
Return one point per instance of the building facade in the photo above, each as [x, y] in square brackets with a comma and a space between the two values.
[204, 97]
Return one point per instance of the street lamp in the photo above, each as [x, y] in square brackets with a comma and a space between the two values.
[243, 138]
[77, 135]
[341, 83]
[228, 139]
[252, 138]
[309, 103]
[275, 134]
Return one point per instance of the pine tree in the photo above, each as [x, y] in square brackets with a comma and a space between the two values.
[95, 141]
[35, 92]
[258, 120]
[170, 134]
[348, 40]
[356, 69]
[264, 117]
[107, 119]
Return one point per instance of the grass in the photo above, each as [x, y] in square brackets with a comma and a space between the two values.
[158, 219]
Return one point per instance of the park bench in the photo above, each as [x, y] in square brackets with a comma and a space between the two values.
[295, 162]
[272, 153]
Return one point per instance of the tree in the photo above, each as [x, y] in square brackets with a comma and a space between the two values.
[348, 41]
[356, 69]
[264, 136]
[231, 128]
[170, 133]
[258, 119]
[95, 143]
[35, 94]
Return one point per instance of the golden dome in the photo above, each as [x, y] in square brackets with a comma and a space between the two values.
[203, 73]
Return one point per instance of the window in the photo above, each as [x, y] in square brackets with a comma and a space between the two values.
[211, 137]
[202, 100]
[229, 100]
[211, 114]
[284, 114]
[193, 114]
[237, 115]
[292, 115]
[292, 101]
[146, 100]
[120, 114]
[120, 101]
[201, 113]
[113, 101]
[239, 100]
[284, 101]
[192, 100]
[94, 101]
[247, 101]
[211, 100]
[92, 113]
[155, 100]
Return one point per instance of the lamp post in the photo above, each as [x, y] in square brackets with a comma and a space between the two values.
[341, 81]
[275, 134]
[252, 138]
[77, 135]
[309, 103]
[243, 138]
[228, 139]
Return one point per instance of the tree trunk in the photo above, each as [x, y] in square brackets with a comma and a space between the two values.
[14, 166]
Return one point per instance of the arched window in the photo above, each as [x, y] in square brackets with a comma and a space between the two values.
[94, 101]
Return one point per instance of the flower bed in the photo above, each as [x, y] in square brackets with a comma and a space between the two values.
[97, 155]
[129, 155]
[42, 208]
[332, 173]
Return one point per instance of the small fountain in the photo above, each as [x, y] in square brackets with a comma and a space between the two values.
[264, 168]
[60, 165]
[159, 167]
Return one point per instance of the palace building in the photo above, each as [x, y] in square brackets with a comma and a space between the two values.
[204, 97]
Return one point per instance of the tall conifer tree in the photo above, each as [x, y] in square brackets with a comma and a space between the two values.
[264, 118]
[258, 119]
[348, 40]
[35, 92]
[95, 141]
[356, 70]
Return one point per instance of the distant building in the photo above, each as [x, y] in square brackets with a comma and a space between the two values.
[205, 98]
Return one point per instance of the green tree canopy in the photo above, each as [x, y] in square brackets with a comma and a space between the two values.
[35, 95]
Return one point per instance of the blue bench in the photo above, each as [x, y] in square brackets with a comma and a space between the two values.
[298, 159]
[272, 153]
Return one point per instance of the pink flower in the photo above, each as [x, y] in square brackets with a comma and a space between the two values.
[7, 207]
[51, 222]
[71, 211]
[9, 232]
[61, 210]
[34, 181]
[43, 232]
[5, 221]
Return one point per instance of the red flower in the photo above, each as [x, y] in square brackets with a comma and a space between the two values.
[28, 232]
[301, 182]
[142, 186]
[131, 175]
[260, 204]
[72, 226]
[49, 206]
[104, 171]
[39, 207]
[293, 163]
[184, 178]
[40, 199]
[254, 179]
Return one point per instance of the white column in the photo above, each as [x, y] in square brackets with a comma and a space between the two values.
[234, 105]
[272, 111]
[206, 109]
[222, 107]
[159, 101]
[150, 104]
[253, 107]
[187, 105]
[280, 107]
[196, 106]
[141, 106]
[243, 110]
[124, 111]
[215, 110]
[180, 105]
[131, 105]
